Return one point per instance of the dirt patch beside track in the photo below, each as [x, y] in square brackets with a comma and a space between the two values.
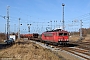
[77, 38]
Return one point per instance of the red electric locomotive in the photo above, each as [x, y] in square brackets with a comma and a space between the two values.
[56, 36]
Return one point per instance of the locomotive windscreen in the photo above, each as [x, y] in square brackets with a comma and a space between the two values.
[63, 34]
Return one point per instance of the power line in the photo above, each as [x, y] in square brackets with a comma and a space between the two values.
[3, 16]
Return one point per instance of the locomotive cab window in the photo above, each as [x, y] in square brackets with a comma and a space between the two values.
[60, 34]
[63, 34]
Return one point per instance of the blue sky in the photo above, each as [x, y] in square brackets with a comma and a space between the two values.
[40, 12]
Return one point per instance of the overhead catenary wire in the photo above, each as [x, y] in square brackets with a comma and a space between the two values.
[84, 17]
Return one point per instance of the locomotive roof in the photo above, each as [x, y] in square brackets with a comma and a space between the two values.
[57, 30]
[54, 30]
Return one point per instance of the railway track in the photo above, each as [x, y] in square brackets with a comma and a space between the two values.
[77, 51]
[83, 45]
[81, 53]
